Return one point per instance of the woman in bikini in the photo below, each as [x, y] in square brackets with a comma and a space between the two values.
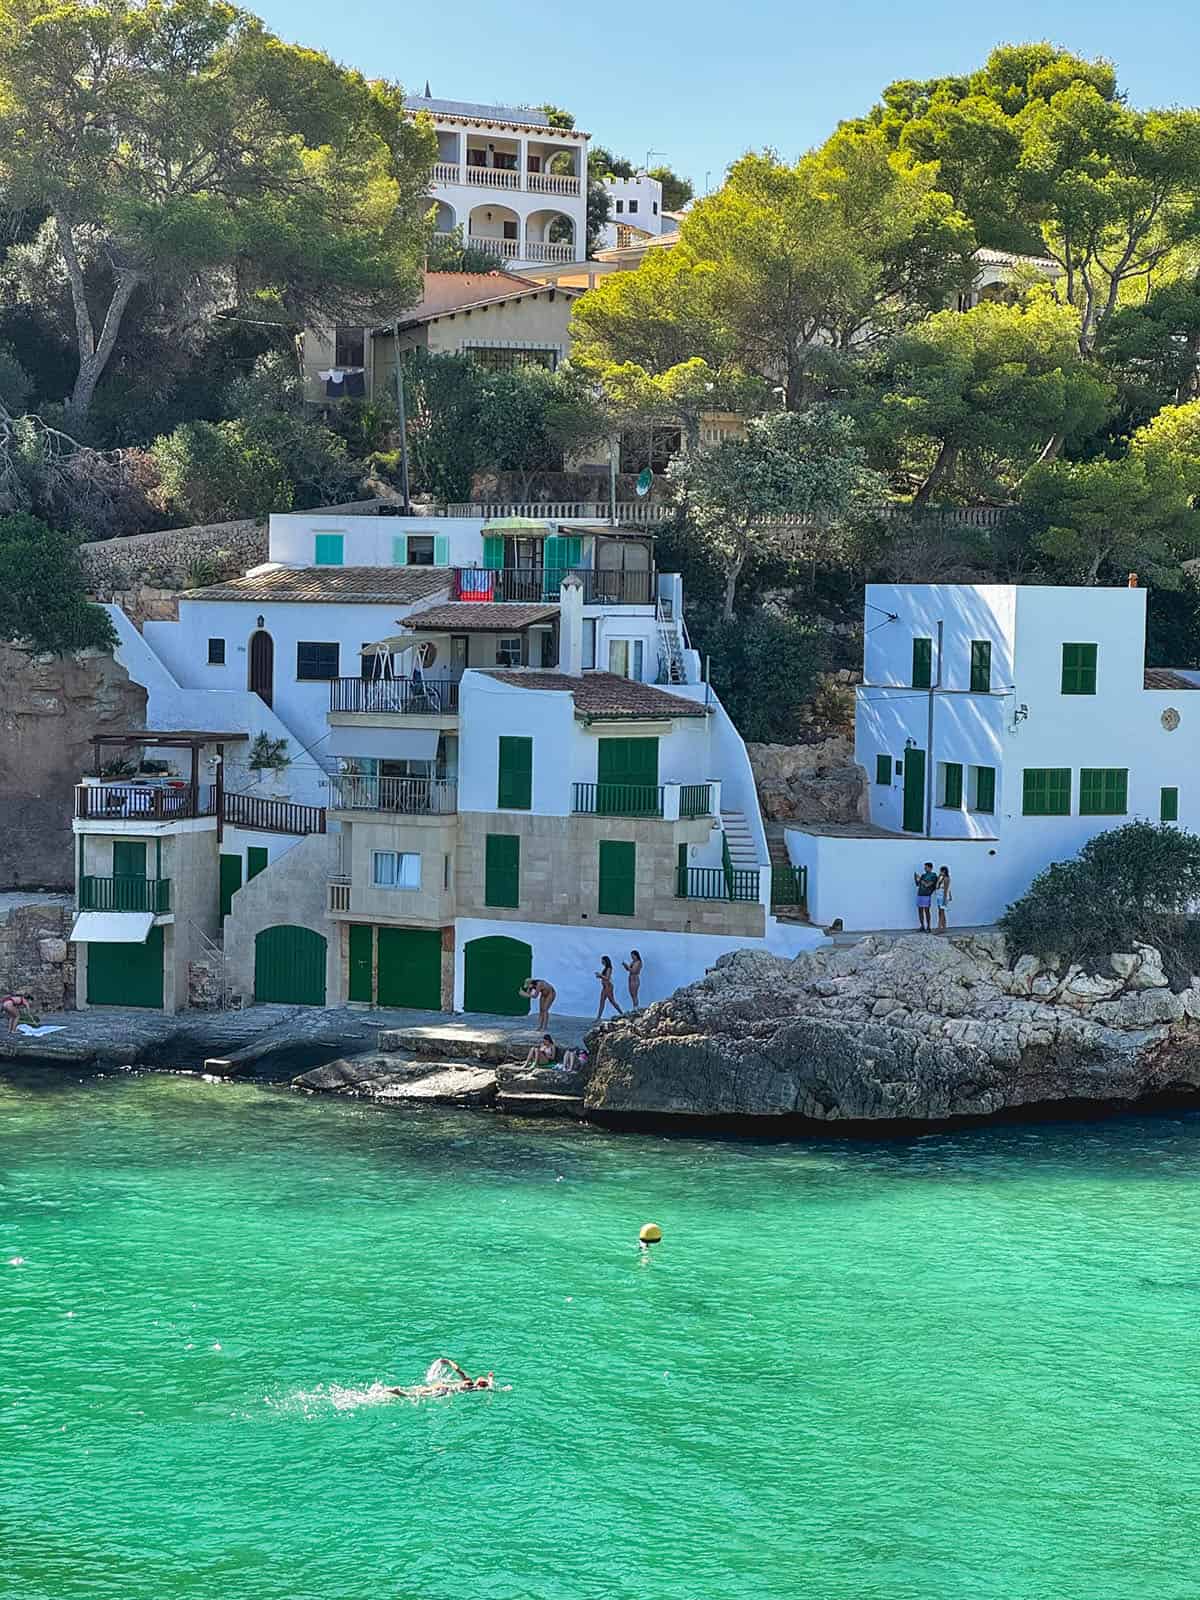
[634, 968]
[607, 997]
[16, 1007]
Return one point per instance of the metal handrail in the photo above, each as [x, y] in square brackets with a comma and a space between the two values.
[273, 816]
[541, 585]
[618, 799]
[125, 892]
[399, 696]
[143, 802]
[418, 797]
[715, 883]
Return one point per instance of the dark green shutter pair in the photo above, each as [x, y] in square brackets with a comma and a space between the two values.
[618, 877]
[502, 870]
[1103, 791]
[985, 789]
[1047, 792]
[515, 787]
[1079, 669]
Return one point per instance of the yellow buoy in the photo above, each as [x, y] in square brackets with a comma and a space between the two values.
[650, 1233]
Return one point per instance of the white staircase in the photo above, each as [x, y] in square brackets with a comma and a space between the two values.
[670, 650]
[742, 853]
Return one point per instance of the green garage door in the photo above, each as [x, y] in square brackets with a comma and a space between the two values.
[493, 970]
[410, 968]
[126, 974]
[289, 966]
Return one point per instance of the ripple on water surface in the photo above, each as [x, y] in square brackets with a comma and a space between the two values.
[947, 1369]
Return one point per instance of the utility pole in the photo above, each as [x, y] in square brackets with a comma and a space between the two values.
[403, 421]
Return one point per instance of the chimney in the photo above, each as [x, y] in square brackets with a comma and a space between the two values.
[1133, 580]
[570, 627]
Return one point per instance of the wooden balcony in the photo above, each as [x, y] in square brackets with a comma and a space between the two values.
[411, 797]
[400, 697]
[125, 892]
[143, 802]
[273, 816]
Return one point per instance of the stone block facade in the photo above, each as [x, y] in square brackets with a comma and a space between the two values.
[35, 956]
[292, 889]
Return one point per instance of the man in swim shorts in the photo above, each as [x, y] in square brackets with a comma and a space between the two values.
[926, 882]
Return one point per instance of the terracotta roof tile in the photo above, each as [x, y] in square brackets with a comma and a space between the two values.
[1164, 678]
[604, 694]
[480, 616]
[446, 292]
[332, 585]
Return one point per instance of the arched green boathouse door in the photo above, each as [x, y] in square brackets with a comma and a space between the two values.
[493, 970]
[289, 966]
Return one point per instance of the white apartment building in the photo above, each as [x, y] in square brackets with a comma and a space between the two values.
[635, 211]
[492, 756]
[999, 727]
[516, 186]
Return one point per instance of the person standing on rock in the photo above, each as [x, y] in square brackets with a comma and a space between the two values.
[607, 997]
[944, 897]
[545, 995]
[926, 882]
[634, 968]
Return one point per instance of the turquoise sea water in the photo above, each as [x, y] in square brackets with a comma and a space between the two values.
[957, 1367]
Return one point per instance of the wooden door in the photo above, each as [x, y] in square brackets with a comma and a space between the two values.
[262, 666]
[494, 970]
[627, 778]
[126, 974]
[410, 968]
[289, 966]
[914, 791]
[362, 962]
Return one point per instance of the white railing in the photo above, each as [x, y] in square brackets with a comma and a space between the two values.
[564, 510]
[339, 894]
[506, 249]
[551, 183]
[446, 172]
[413, 797]
[535, 251]
[491, 177]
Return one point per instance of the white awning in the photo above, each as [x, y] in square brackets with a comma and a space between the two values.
[385, 744]
[112, 927]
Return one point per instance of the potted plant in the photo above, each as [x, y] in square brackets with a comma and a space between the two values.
[268, 758]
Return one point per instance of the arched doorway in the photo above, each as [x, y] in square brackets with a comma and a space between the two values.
[493, 970]
[262, 666]
[289, 966]
[496, 229]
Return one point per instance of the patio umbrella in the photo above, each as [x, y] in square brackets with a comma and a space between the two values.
[516, 525]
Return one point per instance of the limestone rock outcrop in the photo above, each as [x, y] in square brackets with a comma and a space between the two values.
[810, 782]
[901, 1029]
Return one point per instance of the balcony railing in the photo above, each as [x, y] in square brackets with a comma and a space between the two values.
[531, 585]
[695, 800]
[125, 892]
[506, 249]
[618, 799]
[717, 883]
[273, 816]
[143, 802]
[789, 886]
[627, 511]
[339, 894]
[402, 697]
[505, 178]
[548, 250]
[414, 797]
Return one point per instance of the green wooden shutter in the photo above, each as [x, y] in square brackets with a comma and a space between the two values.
[362, 962]
[1047, 792]
[981, 665]
[883, 769]
[1079, 669]
[515, 786]
[1168, 805]
[502, 870]
[400, 550]
[922, 663]
[494, 971]
[230, 881]
[618, 878]
[441, 550]
[409, 965]
[329, 549]
[493, 551]
[1103, 791]
[627, 778]
[952, 787]
[985, 789]
[256, 860]
[126, 974]
[289, 966]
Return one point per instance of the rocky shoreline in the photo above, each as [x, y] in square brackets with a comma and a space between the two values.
[901, 1033]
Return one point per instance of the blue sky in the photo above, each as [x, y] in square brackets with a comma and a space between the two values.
[699, 82]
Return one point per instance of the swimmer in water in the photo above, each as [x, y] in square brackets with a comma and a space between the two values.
[436, 1389]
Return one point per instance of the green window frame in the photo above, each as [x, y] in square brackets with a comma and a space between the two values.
[981, 666]
[502, 870]
[1079, 668]
[952, 785]
[514, 789]
[1168, 804]
[983, 789]
[922, 663]
[329, 549]
[1103, 791]
[618, 878]
[1047, 792]
[883, 769]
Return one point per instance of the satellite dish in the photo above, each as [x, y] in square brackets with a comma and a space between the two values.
[645, 481]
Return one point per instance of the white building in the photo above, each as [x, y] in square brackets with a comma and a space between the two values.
[514, 185]
[491, 756]
[635, 211]
[999, 727]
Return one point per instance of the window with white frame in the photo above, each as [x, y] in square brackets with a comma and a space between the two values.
[395, 869]
[508, 650]
[625, 658]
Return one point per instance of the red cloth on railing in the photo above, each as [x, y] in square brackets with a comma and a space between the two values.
[476, 583]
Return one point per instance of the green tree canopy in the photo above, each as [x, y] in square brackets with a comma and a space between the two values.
[676, 191]
[43, 593]
[193, 143]
[789, 462]
[1151, 348]
[998, 384]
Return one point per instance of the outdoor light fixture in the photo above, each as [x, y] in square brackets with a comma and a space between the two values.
[261, 621]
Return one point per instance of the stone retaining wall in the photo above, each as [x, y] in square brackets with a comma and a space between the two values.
[35, 956]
